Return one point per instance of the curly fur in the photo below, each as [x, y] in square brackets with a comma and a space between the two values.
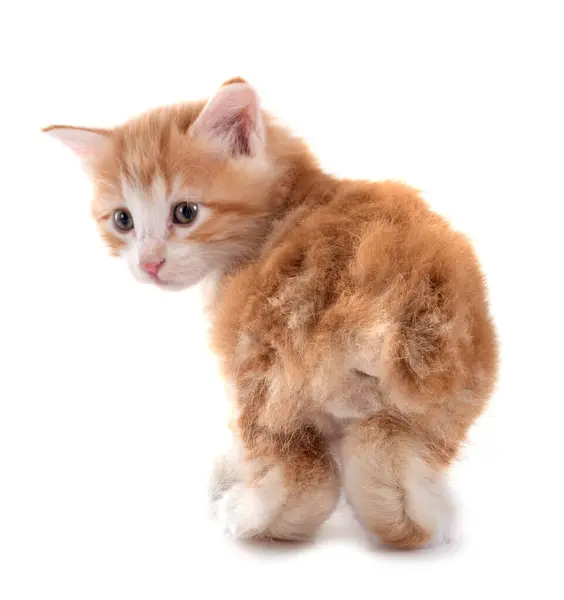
[350, 320]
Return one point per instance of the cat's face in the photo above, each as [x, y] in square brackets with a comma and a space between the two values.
[180, 191]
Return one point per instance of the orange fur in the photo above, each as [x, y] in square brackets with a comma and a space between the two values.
[349, 317]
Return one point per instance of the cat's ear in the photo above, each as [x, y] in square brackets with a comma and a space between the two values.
[88, 144]
[233, 118]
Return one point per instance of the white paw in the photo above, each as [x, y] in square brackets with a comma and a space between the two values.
[444, 535]
[430, 503]
[240, 512]
[245, 511]
[445, 529]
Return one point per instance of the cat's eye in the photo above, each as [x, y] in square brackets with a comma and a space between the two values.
[123, 219]
[184, 213]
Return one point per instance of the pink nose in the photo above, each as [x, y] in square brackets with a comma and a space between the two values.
[152, 267]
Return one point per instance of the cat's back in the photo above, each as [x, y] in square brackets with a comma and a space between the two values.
[346, 237]
[346, 244]
[342, 264]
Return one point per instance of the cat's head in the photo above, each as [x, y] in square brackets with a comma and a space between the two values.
[181, 191]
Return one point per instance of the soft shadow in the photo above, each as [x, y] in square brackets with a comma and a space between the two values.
[439, 551]
[343, 528]
[274, 547]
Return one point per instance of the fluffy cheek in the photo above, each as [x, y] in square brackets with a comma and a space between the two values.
[186, 264]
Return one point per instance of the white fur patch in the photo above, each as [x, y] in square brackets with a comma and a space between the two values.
[245, 511]
[149, 207]
[429, 502]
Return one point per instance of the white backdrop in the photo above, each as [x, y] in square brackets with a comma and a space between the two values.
[110, 403]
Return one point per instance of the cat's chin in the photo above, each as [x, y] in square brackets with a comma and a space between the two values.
[170, 286]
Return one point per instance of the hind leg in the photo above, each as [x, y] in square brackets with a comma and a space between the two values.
[284, 492]
[394, 484]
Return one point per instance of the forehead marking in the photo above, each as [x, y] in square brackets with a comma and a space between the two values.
[148, 205]
[151, 205]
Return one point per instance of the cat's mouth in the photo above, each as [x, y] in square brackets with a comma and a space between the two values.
[166, 285]
[165, 281]
[161, 282]
[156, 280]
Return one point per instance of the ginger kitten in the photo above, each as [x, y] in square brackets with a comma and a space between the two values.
[351, 321]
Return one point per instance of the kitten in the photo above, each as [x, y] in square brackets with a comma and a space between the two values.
[351, 321]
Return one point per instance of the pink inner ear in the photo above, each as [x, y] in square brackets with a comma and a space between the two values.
[233, 115]
[238, 126]
[86, 143]
[82, 151]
